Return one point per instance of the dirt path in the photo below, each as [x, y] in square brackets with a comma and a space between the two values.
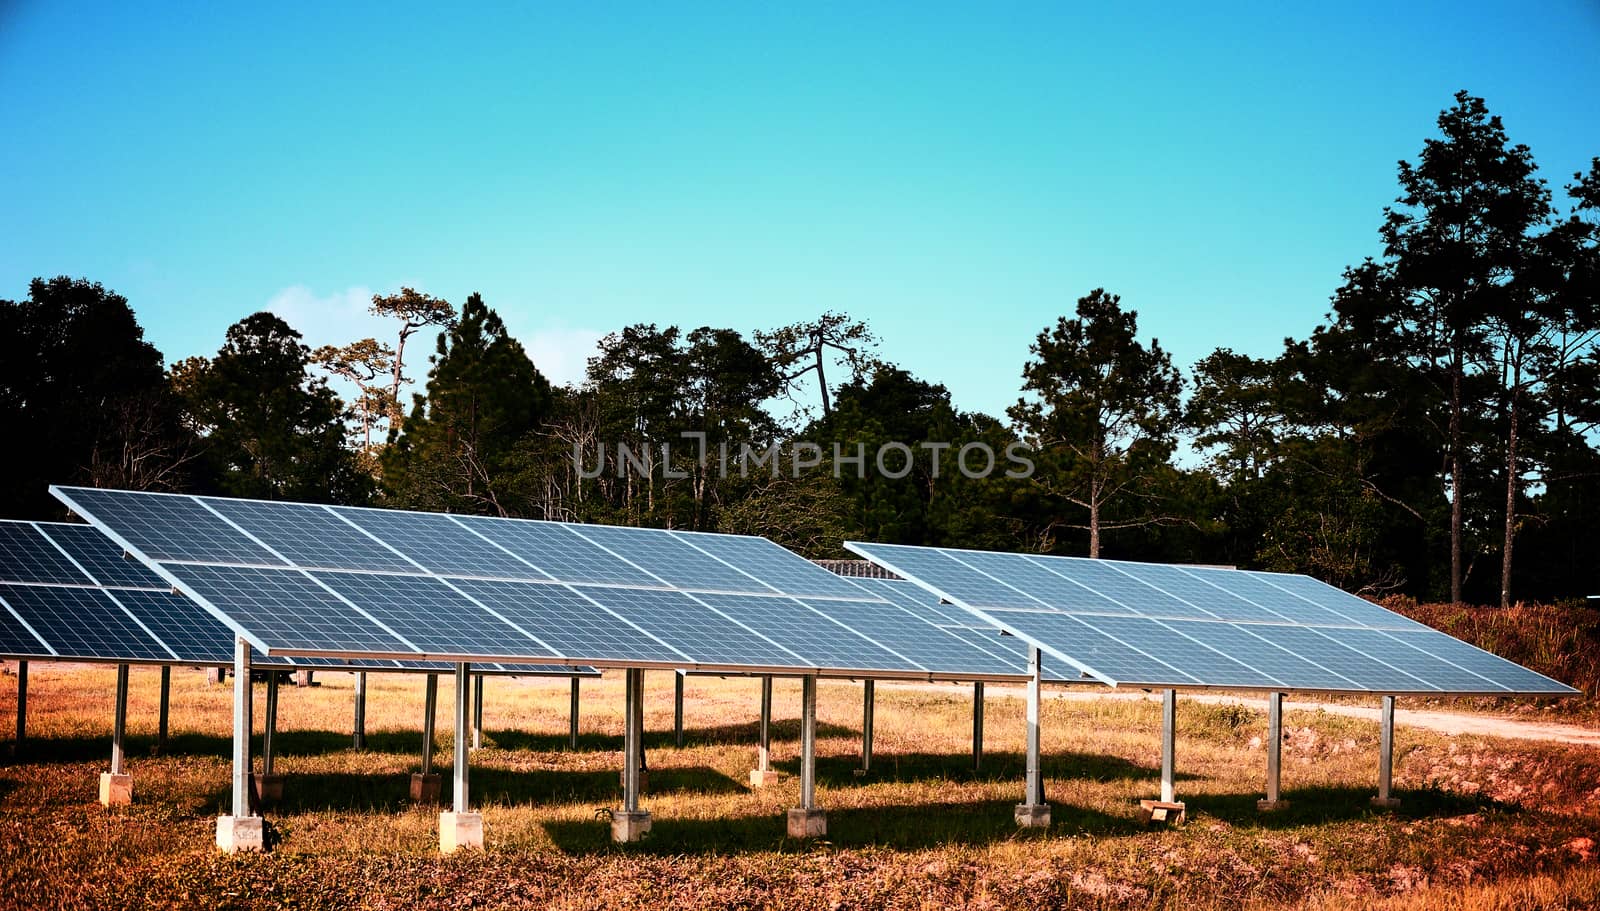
[1442, 722]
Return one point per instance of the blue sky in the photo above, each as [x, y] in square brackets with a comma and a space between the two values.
[955, 174]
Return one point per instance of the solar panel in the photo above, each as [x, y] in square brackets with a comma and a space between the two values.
[28, 556]
[1162, 625]
[311, 538]
[99, 557]
[818, 640]
[441, 544]
[82, 622]
[572, 624]
[670, 559]
[435, 618]
[561, 554]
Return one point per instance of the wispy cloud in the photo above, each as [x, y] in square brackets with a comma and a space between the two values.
[337, 318]
[561, 353]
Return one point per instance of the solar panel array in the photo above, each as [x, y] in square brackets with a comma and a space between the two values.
[68, 593]
[298, 579]
[1169, 626]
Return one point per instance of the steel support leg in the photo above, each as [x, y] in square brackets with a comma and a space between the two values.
[977, 725]
[677, 709]
[22, 702]
[1033, 812]
[1169, 738]
[808, 820]
[241, 729]
[477, 712]
[119, 727]
[360, 733]
[241, 831]
[166, 705]
[269, 728]
[460, 828]
[631, 823]
[572, 726]
[1386, 799]
[430, 708]
[764, 746]
[1274, 799]
[868, 700]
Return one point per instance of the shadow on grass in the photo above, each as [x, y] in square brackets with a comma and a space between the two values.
[719, 735]
[906, 827]
[1319, 805]
[840, 771]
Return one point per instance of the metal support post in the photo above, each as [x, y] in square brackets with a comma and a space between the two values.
[868, 698]
[1169, 737]
[430, 708]
[1033, 812]
[360, 734]
[572, 726]
[120, 725]
[764, 745]
[1386, 799]
[22, 702]
[477, 712]
[241, 729]
[677, 709]
[977, 725]
[808, 743]
[166, 703]
[269, 724]
[631, 823]
[1274, 752]
[463, 699]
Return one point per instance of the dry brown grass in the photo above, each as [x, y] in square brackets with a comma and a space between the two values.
[1486, 824]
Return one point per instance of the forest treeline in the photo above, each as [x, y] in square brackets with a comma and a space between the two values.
[1435, 436]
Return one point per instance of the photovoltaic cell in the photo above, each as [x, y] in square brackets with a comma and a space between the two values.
[102, 557]
[923, 604]
[931, 647]
[27, 556]
[441, 544]
[184, 626]
[82, 622]
[563, 555]
[15, 638]
[1047, 589]
[1498, 670]
[310, 537]
[1144, 600]
[1214, 601]
[1174, 649]
[286, 610]
[431, 616]
[1079, 644]
[679, 564]
[692, 628]
[1248, 585]
[772, 564]
[1423, 664]
[1358, 611]
[818, 641]
[570, 623]
[171, 527]
[1254, 644]
[951, 577]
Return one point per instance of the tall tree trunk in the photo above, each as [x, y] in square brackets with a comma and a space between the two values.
[822, 381]
[1513, 485]
[1455, 476]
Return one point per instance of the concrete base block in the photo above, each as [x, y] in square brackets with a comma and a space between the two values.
[302, 678]
[761, 778]
[1268, 806]
[629, 827]
[1154, 811]
[460, 830]
[266, 790]
[240, 833]
[1032, 815]
[805, 823]
[425, 788]
[860, 773]
[1386, 803]
[116, 790]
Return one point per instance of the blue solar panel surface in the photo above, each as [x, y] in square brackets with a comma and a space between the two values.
[1163, 625]
[306, 579]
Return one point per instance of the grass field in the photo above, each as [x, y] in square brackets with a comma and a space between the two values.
[1485, 823]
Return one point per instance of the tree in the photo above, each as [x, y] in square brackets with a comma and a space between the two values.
[84, 398]
[415, 311]
[362, 363]
[1237, 411]
[1454, 242]
[803, 348]
[462, 449]
[1102, 413]
[270, 429]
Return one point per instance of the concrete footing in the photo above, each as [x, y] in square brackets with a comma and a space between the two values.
[116, 790]
[761, 778]
[1154, 811]
[1269, 806]
[266, 790]
[460, 830]
[629, 827]
[1032, 815]
[425, 788]
[240, 833]
[805, 823]
[1386, 803]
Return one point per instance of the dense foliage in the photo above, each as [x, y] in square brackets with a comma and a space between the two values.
[1434, 437]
